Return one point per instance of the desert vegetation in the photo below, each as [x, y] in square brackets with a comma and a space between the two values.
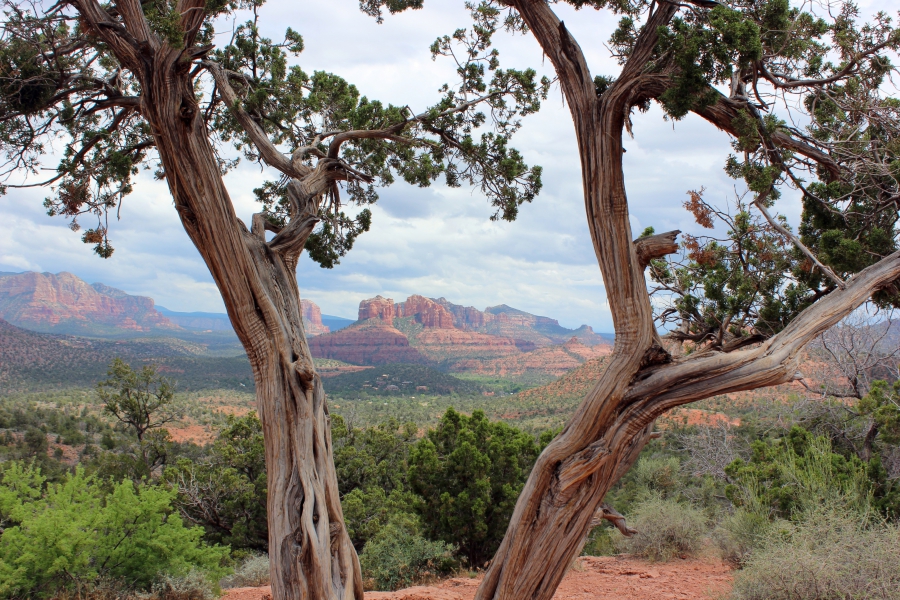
[803, 92]
[771, 480]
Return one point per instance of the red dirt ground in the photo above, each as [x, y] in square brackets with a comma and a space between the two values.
[199, 434]
[594, 578]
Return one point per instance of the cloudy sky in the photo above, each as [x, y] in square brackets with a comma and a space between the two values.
[434, 242]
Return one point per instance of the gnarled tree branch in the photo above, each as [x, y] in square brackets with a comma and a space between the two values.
[655, 246]
[267, 150]
[608, 513]
[759, 203]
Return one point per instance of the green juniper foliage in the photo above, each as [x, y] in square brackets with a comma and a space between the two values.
[800, 471]
[372, 464]
[66, 535]
[882, 406]
[772, 54]
[225, 490]
[141, 400]
[58, 80]
[805, 93]
[468, 473]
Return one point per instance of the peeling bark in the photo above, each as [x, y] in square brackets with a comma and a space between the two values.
[601, 441]
[310, 551]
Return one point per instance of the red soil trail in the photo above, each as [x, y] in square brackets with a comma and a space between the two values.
[594, 578]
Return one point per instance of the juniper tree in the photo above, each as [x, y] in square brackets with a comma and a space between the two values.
[803, 92]
[95, 92]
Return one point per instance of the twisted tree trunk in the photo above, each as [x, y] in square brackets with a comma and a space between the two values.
[613, 423]
[309, 548]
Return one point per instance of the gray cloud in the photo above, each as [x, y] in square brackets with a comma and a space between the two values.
[437, 241]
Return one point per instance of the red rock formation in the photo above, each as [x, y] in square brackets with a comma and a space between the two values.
[312, 318]
[451, 333]
[452, 344]
[465, 317]
[507, 314]
[366, 344]
[377, 308]
[426, 311]
[552, 360]
[63, 302]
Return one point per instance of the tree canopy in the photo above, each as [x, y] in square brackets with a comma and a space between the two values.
[60, 79]
[804, 92]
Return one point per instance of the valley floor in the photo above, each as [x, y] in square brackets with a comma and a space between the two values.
[593, 578]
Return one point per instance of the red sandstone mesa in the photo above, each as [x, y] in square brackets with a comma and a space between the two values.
[312, 318]
[47, 302]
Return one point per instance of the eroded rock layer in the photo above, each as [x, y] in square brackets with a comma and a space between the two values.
[66, 304]
[312, 318]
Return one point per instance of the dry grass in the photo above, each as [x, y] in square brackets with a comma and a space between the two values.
[667, 529]
[253, 572]
[828, 555]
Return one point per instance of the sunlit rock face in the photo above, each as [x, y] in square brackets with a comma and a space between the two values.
[377, 308]
[63, 303]
[312, 318]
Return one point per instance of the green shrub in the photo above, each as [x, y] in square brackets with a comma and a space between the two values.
[658, 474]
[828, 554]
[468, 472]
[398, 556]
[602, 541]
[797, 473]
[194, 585]
[225, 492]
[666, 529]
[740, 534]
[252, 572]
[63, 536]
[366, 511]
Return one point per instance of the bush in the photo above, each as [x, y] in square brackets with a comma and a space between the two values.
[252, 572]
[468, 472]
[828, 554]
[398, 556]
[666, 529]
[226, 491]
[739, 534]
[69, 535]
[797, 473]
[602, 541]
[658, 474]
[195, 585]
[367, 511]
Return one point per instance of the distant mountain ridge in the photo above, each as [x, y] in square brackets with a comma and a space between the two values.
[500, 341]
[63, 303]
[502, 320]
[32, 361]
[197, 320]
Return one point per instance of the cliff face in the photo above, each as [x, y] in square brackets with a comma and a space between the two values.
[443, 345]
[499, 341]
[377, 308]
[65, 303]
[370, 343]
[530, 331]
[465, 317]
[426, 311]
[312, 318]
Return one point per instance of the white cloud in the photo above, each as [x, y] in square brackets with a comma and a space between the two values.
[438, 241]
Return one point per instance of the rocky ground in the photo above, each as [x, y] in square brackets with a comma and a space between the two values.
[594, 578]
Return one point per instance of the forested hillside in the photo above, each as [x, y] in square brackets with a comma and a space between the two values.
[34, 361]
